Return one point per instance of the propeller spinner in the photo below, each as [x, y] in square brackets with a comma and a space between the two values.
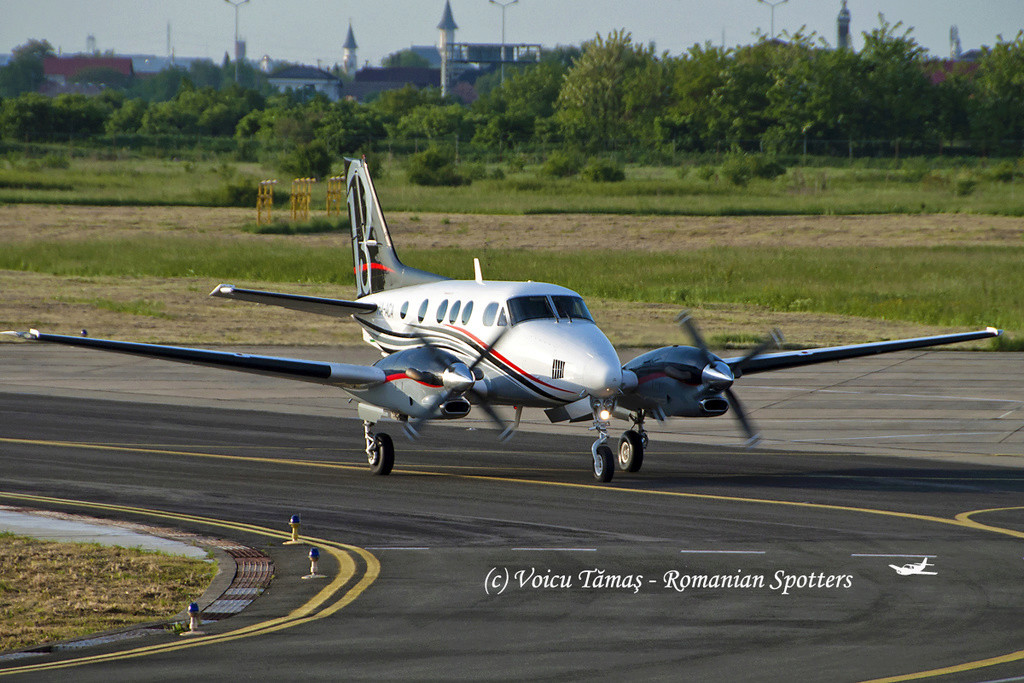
[718, 375]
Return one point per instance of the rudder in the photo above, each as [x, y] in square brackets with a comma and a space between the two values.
[375, 262]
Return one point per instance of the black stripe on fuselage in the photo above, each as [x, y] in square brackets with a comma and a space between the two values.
[450, 340]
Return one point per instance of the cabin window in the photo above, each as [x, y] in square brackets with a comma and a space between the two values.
[423, 310]
[490, 313]
[523, 308]
[454, 315]
[467, 312]
[571, 308]
[405, 309]
[441, 310]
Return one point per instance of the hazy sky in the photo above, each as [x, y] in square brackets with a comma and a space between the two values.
[310, 30]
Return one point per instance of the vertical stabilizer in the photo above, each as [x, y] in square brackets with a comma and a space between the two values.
[376, 264]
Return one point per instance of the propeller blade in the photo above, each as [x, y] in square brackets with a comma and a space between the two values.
[414, 427]
[774, 339]
[489, 410]
[686, 322]
[752, 436]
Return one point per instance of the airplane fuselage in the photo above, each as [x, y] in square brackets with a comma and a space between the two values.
[550, 353]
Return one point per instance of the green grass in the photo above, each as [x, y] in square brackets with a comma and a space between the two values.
[948, 286]
[143, 307]
[911, 186]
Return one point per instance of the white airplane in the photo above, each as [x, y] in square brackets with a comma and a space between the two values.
[450, 344]
[913, 568]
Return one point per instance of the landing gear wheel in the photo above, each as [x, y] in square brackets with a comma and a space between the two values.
[631, 451]
[382, 455]
[604, 464]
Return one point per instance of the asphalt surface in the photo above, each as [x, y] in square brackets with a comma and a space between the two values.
[506, 561]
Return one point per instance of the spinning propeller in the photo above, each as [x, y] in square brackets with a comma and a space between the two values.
[457, 379]
[718, 375]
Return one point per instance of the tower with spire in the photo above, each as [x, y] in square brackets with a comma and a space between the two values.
[349, 63]
[447, 28]
[843, 28]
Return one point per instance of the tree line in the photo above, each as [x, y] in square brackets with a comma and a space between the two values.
[612, 94]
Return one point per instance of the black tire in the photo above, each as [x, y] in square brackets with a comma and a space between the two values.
[631, 451]
[604, 464]
[383, 458]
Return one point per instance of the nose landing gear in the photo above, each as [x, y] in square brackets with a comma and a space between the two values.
[604, 461]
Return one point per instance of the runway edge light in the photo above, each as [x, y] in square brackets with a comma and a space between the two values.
[314, 559]
[194, 621]
[294, 523]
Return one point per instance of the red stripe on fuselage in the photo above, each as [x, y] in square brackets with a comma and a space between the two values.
[512, 365]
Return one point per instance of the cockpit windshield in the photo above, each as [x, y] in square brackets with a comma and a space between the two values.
[569, 308]
[523, 308]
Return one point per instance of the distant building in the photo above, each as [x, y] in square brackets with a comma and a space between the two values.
[349, 62]
[66, 69]
[307, 79]
[843, 29]
[371, 80]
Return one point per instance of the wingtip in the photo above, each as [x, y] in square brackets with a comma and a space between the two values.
[994, 331]
[31, 334]
[222, 290]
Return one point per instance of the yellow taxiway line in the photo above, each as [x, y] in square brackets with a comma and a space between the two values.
[963, 520]
[325, 603]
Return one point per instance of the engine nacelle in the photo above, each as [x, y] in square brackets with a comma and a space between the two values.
[672, 380]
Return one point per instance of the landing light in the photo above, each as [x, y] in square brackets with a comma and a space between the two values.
[605, 414]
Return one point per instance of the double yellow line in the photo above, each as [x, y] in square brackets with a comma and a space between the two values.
[325, 603]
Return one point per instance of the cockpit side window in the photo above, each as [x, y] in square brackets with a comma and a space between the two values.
[502, 320]
[523, 308]
[571, 308]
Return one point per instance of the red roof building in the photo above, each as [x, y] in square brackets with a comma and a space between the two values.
[63, 69]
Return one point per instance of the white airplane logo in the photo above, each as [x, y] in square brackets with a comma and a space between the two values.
[913, 568]
[450, 346]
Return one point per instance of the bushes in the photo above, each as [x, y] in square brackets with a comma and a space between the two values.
[739, 169]
[435, 166]
[602, 171]
[308, 160]
[561, 164]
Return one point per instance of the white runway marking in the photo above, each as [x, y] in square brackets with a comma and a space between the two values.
[893, 436]
[397, 548]
[887, 555]
[725, 552]
[561, 550]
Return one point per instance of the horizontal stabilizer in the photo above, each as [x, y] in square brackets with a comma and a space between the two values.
[792, 359]
[318, 372]
[338, 308]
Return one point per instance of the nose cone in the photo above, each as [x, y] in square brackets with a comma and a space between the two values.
[601, 375]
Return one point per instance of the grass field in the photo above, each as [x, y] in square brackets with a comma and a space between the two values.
[53, 591]
[943, 286]
[839, 188]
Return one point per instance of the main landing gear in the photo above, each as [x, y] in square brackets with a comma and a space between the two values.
[632, 444]
[380, 450]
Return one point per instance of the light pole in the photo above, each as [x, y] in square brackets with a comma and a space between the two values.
[773, 5]
[237, 4]
[503, 6]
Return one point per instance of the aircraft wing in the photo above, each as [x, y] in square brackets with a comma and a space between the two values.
[792, 359]
[338, 308]
[334, 374]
